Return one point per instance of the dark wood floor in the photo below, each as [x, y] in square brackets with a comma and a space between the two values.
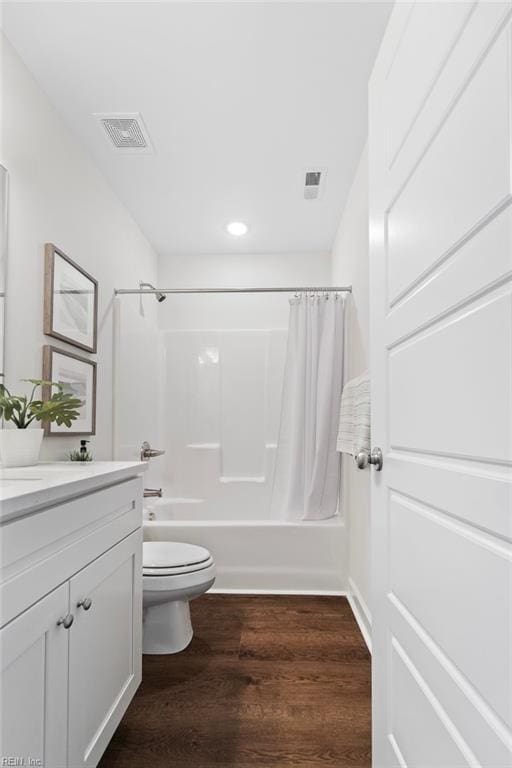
[267, 681]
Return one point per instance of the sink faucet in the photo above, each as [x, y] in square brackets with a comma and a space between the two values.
[152, 493]
[147, 452]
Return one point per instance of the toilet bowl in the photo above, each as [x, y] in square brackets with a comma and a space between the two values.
[173, 574]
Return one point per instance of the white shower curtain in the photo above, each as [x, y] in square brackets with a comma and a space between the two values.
[307, 470]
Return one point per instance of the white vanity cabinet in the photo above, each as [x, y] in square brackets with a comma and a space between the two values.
[71, 621]
[34, 654]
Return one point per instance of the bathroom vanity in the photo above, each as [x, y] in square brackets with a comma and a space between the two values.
[70, 609]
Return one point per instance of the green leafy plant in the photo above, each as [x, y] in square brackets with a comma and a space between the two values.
[80, 456]
[61, 407]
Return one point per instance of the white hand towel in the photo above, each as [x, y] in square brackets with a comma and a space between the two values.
[345, 441]
[355, 413]
[362, 414]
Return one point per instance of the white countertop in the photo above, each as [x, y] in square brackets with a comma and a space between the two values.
[24, 489]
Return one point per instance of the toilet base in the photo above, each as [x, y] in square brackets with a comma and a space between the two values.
[167, 627]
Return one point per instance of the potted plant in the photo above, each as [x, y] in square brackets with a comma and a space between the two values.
[20, 447]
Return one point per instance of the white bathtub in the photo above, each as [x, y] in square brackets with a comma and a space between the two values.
[256, 555]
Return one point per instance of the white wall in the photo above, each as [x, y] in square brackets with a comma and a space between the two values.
[350, 266]
[57, 195]
[239, 310]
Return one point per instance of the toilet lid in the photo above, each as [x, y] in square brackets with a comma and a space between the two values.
[160, 556]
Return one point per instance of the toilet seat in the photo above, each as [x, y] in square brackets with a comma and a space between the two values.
[170, 558]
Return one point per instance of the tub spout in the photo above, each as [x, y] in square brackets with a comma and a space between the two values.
[151, 493]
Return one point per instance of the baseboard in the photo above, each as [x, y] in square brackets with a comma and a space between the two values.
[361, 613]
[305, 592]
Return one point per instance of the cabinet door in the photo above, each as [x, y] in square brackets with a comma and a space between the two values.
[33, 684]
[105, 651]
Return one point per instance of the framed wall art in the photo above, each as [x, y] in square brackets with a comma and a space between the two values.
[76, 375]
[70, 301]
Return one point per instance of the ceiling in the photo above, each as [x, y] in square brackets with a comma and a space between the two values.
[239, 98]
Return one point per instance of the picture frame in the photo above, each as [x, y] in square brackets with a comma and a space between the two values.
[77, 375]
[70, 301]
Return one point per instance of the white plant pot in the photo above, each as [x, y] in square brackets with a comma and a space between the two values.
[20, 447]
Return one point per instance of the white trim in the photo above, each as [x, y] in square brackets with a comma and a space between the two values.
[305, 592]
[354, 590]
[361, 612]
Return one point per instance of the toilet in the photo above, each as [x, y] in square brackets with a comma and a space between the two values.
[173, 574]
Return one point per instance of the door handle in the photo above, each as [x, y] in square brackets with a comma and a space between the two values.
[66, 621]
[85, 603]
[374, 457]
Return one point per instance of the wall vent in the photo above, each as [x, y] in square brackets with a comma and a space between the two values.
[312, 183]
[125, 132]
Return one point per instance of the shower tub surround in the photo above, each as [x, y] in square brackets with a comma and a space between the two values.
[255, 554]
[221, 421]
[221, 416]
[214, 376]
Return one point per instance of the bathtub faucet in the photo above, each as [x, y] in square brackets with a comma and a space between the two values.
[151, 493]
[147, 452]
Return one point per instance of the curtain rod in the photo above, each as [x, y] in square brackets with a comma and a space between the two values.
[301, 289]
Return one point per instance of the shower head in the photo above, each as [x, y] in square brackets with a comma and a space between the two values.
[158, 295]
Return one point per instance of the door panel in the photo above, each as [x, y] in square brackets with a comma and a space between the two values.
[442, 24]
[483, 499]
[450, 191]
[33, 689]
[469, 380]
[441, 360]
[105, 648]
[480, 648]
[468, 272]
[418, 722]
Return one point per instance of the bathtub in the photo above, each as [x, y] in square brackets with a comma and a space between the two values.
[255, 555]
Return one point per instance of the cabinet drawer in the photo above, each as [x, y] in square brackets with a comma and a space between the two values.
[46, 548]
[39, 534]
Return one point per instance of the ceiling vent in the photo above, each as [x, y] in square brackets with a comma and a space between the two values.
[125, 132]
[313, 182]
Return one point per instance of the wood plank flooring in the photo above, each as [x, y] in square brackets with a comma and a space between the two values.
[268, 681]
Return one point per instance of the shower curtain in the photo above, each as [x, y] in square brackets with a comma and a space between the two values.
[307, 471]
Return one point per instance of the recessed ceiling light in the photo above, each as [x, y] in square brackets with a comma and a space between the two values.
[237, 228]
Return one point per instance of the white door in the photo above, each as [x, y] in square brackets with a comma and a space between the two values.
[105, 648]
[33, 687]
[441, 357]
